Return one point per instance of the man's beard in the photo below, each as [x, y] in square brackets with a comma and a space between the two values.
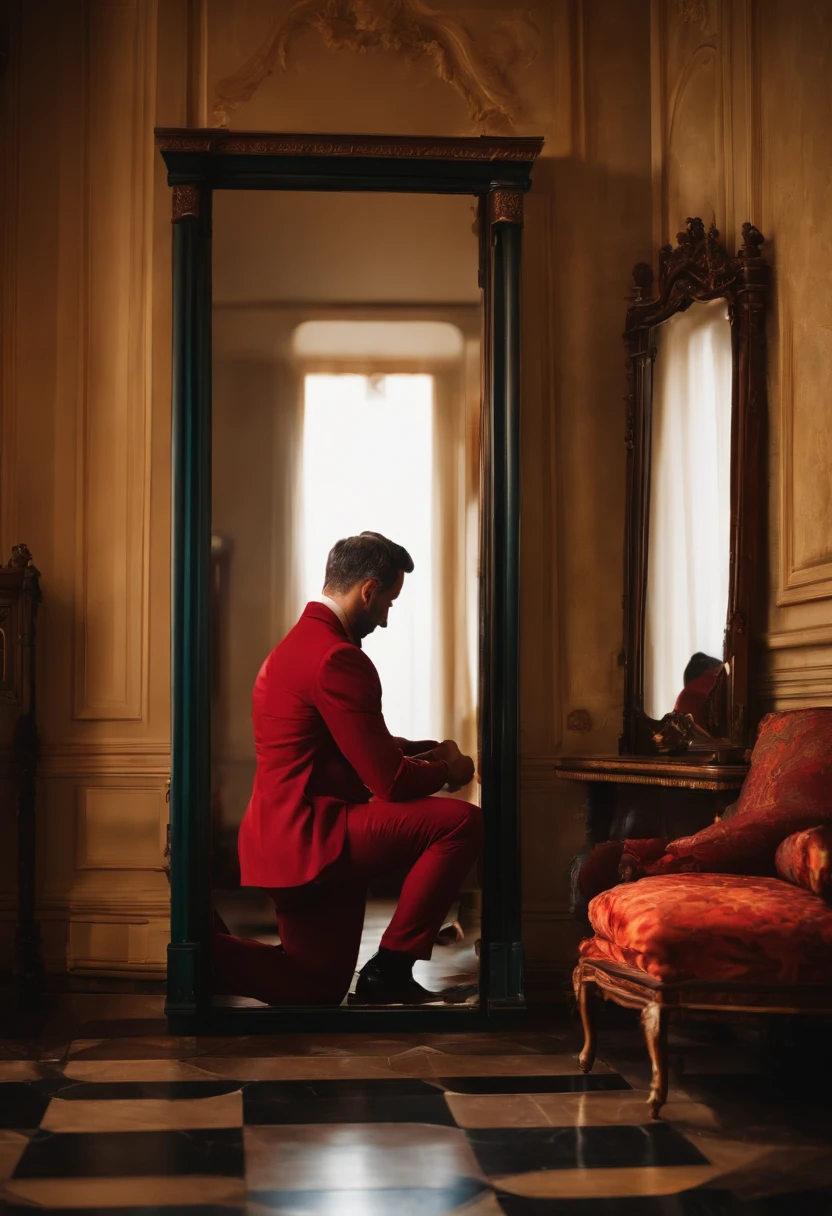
[366, 627]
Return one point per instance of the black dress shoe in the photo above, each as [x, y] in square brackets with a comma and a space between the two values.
[376, 988]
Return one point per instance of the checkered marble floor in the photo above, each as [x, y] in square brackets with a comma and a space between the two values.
[130, 1120]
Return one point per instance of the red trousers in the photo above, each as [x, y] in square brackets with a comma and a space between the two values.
[320, 923]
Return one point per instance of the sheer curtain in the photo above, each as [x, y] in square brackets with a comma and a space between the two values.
[689, 517]
[390, 443]
[368, 451]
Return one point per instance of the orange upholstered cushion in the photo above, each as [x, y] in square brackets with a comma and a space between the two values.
[714, 927]
[806, 860]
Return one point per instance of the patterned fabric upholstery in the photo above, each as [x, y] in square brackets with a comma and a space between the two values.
[806, 860]
[713, 927]
[788, 789]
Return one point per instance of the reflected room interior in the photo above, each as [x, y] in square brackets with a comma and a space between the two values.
[688, 566]
[346, 397]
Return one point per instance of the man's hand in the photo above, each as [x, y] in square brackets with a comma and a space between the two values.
[460, 767]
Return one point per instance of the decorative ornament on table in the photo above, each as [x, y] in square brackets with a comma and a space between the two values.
[674, 734]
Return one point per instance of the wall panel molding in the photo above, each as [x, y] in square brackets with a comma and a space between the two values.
[113, 418]
[120, 827]
[9, 203]
[799, 583]
[791, 687]
[792, 639]
[197, 69]
[107, 758]
[109, 904]
[753, 109]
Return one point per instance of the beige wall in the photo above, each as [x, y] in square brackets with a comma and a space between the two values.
[86, 375]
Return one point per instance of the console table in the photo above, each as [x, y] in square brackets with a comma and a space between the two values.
[639, 797]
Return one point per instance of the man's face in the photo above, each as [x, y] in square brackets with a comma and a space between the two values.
[376, 604]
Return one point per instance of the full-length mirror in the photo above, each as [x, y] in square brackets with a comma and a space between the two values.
[696, 364]
[347, 344]
[345, 641]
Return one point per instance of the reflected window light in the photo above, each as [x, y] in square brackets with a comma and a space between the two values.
[368, 466]
[690, 503]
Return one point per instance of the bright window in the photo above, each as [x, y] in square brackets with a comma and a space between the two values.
[368, 466]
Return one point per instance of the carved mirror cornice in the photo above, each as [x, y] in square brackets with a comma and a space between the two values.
[697, 271]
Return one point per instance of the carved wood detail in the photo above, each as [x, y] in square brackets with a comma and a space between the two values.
[258, 143]
[506, 206]
[185, 202]
[693, 12]
[408, 27]
[635, 989]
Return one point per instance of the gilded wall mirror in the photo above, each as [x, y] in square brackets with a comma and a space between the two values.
[333, 294]
[695, 416]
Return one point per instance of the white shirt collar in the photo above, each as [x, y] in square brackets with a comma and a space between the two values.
[335, 607]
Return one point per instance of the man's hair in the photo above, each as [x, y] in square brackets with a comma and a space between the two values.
[698, 664]
[357, 559]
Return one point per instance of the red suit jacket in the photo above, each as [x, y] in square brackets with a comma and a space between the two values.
[321, 744]
[691, 700]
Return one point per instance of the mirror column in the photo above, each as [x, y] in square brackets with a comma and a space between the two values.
[190, 800]
[501, 905]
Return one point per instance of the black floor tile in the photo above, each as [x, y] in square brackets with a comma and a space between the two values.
[320, 1090]
[204, 1209]
[520, 1150]
[22, 1105]
[124, 1028]
[699, 1202]
[85, 1091]
[603, 1082]
[690, 1203]
[372, 1101]
[806, 1203]
[409, 1201]
[218, 1151]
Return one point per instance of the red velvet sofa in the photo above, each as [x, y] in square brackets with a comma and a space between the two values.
[735, 918]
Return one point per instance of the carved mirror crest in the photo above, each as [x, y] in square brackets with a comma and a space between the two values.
[695, 343]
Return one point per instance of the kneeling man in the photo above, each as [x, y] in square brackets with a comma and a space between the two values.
[338, 800]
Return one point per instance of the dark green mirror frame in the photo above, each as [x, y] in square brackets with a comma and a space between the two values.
[498, 172]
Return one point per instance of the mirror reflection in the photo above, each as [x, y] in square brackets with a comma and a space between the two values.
[689, 512]
[346, 401]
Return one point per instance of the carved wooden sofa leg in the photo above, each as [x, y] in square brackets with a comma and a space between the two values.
[590, 982]
[586, 1003]
[654, 1024]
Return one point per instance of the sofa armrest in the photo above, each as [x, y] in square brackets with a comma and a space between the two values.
[805, 859]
